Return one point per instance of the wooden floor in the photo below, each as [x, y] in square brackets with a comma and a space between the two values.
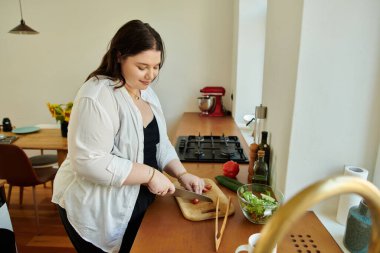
[52, 237]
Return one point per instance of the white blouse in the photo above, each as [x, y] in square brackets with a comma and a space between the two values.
[105, 137]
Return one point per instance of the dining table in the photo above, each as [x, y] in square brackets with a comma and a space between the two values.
[165, 229]
[43, 139]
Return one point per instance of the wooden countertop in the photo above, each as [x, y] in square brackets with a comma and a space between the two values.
[164, 229]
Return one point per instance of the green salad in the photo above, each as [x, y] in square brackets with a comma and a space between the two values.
[258, 206]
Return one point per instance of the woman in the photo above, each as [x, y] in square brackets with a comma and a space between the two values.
[117, 147]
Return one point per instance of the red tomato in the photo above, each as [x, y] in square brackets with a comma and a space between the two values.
[208, 186]
[195, 201]
[230, 169]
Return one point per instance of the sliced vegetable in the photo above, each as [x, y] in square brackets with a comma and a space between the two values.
[207, 188]
[266, 197]
[230, 183]
[195, 201]
[259, 209]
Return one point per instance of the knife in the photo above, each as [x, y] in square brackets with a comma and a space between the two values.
[190, 195]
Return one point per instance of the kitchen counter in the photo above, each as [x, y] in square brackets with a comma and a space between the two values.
[164, 229]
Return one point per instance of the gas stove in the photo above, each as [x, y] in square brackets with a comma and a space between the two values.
[210, 148]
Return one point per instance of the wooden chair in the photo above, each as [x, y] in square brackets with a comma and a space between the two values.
[16, 168]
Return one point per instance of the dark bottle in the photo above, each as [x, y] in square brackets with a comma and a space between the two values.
[260, 169]
[266, 148]
[358, 229]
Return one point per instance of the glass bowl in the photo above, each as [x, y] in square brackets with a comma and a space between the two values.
[259, 202]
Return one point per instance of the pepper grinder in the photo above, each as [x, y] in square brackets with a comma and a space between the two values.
[260, 115]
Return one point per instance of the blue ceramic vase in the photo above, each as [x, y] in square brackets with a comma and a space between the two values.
[358, 229]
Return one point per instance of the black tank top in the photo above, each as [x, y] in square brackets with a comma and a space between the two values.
[145, 197]
[151, 139]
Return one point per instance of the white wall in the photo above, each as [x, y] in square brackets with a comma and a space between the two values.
[51, 66]
[284, 21]
[249, 63]
[331, 69]
[376, 174]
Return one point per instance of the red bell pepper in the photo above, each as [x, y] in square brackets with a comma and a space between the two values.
[230, 169]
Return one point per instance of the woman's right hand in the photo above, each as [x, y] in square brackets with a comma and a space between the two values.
[160, 184]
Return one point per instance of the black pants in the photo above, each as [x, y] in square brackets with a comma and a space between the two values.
[79, 243]
[144, 199]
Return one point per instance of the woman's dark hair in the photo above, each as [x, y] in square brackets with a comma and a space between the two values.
[131, 39]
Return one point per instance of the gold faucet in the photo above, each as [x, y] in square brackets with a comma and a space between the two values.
[293, 209]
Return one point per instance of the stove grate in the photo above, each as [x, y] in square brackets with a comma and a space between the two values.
[210, 148]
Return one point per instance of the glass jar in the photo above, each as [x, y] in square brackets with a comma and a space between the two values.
[358, 228]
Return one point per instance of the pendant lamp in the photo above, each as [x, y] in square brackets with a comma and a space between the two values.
[22, 28]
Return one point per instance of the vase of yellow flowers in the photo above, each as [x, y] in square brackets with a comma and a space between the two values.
[61, 113]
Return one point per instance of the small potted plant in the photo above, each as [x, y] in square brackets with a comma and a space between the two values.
[61, 113]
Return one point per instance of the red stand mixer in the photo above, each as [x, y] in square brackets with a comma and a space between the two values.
[211, 102]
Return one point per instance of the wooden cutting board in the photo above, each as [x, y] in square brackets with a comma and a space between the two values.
[205, 210]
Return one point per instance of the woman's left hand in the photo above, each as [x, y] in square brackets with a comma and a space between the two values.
[192, 183]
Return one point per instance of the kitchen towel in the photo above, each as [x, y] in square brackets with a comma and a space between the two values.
[346, 201]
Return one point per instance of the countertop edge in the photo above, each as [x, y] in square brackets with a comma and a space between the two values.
[335, 229]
